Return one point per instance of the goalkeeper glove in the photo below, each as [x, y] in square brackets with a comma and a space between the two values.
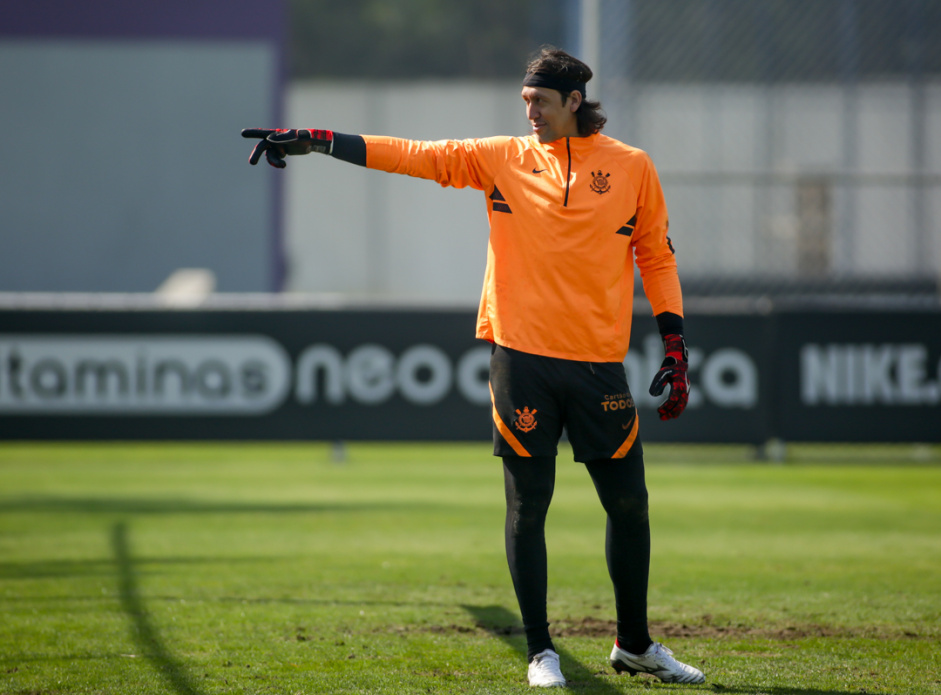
[277, 143]
[673, 371]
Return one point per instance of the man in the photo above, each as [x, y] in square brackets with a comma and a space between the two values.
[569, 210]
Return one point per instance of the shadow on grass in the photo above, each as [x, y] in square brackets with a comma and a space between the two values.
[504, 624]
[51, 569]
[777, 690]
[143, 631]
[501, 623]
[151, 505]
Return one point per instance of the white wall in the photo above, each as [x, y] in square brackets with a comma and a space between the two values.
[729, 157]
[352, 230]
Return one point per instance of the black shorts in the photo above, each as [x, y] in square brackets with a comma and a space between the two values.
[535, 397]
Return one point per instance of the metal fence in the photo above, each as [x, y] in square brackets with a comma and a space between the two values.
[799, 141]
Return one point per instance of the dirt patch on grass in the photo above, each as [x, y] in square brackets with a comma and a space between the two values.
[593, 627]
[706, 628]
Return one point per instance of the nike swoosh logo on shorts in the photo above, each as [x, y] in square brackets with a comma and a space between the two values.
[538, 171]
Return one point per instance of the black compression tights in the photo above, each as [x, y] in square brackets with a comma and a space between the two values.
[620, 484]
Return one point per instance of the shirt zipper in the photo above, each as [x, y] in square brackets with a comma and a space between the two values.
[568, 175]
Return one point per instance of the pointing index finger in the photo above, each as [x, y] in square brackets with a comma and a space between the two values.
[257, 132]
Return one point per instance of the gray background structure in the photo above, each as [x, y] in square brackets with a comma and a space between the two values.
[799, 141]
[114, 172]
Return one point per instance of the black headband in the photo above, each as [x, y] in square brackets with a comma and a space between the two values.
[560, 84]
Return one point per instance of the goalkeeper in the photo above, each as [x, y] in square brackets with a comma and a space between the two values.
[570, 211]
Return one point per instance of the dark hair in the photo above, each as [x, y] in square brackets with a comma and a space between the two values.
[556, 62]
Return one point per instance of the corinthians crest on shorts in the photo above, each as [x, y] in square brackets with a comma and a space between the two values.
[526, 419]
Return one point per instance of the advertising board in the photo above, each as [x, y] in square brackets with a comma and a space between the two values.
[419, 374]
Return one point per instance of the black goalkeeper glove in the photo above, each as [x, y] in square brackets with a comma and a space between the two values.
[277, 143]
[673, 371]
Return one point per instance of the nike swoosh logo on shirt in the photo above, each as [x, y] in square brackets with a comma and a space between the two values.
[538, 171]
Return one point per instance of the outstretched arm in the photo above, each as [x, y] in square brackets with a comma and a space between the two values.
[456, 163]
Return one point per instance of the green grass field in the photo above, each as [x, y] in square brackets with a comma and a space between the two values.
[274, 568]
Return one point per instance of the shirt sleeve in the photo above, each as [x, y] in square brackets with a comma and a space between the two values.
[653, 250]
[455, 163]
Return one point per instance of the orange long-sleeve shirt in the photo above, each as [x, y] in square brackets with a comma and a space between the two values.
[567, 220]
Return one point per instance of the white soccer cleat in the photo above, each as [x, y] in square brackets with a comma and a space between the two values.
[657, 660]
[544, 671]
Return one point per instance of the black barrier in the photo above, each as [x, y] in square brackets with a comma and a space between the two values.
[858, 376]
[396, 374]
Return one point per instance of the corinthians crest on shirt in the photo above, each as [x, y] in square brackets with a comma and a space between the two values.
[525, 419]
[599, 182]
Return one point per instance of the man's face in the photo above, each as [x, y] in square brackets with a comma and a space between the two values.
[550, 118]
